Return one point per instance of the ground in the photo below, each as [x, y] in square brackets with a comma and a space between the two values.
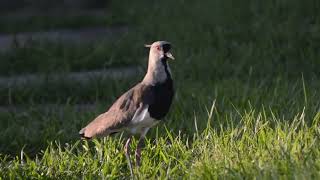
[246, 105]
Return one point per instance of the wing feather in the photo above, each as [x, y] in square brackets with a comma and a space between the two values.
[120, 113]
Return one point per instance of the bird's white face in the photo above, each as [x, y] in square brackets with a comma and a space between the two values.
[160, 50]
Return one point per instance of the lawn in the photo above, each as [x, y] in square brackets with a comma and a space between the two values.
[247, 82]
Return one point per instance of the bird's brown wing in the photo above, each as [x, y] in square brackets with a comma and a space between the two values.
[120, 113]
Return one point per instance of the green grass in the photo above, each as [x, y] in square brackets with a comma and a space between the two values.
[246, 106]
[249, 145]
[46, 57]
[44, 21]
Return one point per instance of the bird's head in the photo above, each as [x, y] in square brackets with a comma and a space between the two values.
[160, 50]
[158, 68]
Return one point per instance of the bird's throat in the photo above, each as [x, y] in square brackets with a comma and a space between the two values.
[158, 72]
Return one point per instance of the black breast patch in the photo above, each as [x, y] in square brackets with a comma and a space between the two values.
[163, 95]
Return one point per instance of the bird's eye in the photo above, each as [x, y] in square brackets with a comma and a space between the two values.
[158, 48]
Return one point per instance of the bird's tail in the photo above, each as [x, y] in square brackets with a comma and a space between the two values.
[83, 134]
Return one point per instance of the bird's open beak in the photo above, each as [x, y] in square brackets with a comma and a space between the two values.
[169, 55]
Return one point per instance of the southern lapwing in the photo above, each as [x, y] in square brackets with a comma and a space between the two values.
[140, 108]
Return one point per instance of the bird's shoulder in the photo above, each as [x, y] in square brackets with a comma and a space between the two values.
[130, 100]
[125, 107]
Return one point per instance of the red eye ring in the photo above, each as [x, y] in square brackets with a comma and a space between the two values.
[158, 48]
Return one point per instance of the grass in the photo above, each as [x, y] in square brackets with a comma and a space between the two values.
[250, 145]
[48, 57]
[60, 56]
[48, 20]
[246, 105]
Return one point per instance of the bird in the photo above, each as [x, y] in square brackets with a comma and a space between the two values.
[142, 106]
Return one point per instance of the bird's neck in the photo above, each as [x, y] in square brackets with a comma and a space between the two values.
[158, 72]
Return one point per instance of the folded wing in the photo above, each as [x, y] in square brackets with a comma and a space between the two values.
[120, 113]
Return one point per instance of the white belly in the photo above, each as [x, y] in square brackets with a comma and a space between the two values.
[141, 122]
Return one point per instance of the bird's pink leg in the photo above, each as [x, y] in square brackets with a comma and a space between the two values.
[139, 146]
[138, 151]
[127, 152]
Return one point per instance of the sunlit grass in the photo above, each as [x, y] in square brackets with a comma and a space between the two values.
[258, 146]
